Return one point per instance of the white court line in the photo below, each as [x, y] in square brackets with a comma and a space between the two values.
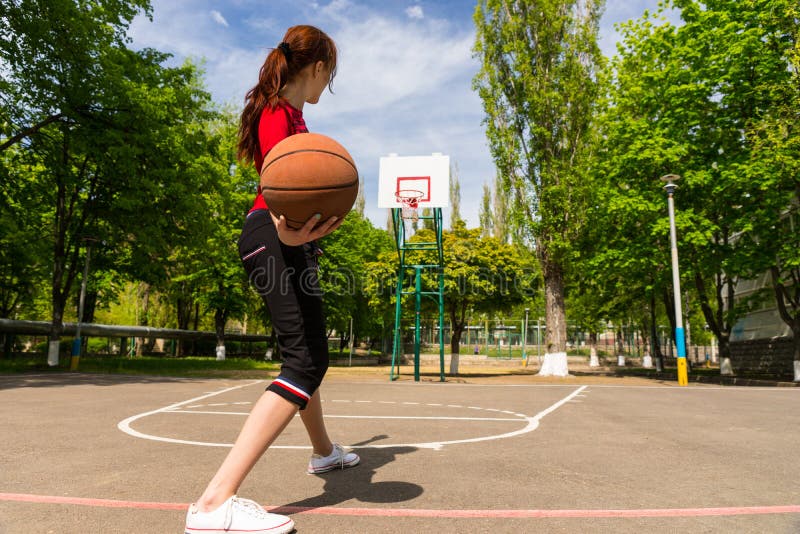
[532, 424]
[125, 425]
[693, 386]
[432, 418]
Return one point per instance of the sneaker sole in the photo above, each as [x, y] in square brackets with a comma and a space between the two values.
[333, 467]
[280, 529]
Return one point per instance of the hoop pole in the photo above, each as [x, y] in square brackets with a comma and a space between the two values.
[398, 338]
[417, 307]
[437, 265]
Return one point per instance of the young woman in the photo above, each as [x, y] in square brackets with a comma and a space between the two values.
[282, 266]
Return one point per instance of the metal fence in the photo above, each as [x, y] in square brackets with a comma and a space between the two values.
[31, 336]
[504, 338]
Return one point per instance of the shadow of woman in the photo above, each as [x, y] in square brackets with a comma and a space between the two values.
[356, 483]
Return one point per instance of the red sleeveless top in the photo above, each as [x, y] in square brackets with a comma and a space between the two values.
[274, 126]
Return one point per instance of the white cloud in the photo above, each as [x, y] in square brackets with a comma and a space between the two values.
[405, 87]
[339, 10]
[384, 62]
[218, 18]
[415, 12]
[262, 24]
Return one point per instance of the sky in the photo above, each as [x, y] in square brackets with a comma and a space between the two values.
[404, 81]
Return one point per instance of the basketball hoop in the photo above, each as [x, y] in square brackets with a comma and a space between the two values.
[409, 198]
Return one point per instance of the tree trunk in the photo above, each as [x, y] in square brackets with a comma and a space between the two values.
[143, 319]
[555, 358]
[594, 361]
[59, 261]
[647, 359]
[56, 327]
[669, 308]
[716, 322]
[220, 318]
[196, 323]
[654, 335]
[455, 339]
[796, 358]
[184, 311]
[65, 254]
[457, 325]
[620, 347]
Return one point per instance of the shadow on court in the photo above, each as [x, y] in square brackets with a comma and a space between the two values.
[358, 483]
[59, 379]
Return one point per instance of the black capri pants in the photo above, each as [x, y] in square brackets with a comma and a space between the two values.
[287, 278]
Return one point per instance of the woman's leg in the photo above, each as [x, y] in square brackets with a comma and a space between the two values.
[266, 421]
[315, 426]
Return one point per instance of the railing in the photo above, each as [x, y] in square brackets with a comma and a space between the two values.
[36, 328]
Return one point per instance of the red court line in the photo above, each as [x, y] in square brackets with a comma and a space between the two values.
[422, 512]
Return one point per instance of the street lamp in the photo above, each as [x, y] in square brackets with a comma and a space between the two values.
[76, 343]
[525, 338]
[680, 342]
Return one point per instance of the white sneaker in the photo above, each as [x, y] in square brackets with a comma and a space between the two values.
[337, 459]
[237, 515]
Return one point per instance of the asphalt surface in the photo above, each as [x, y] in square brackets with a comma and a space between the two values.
[91, 453]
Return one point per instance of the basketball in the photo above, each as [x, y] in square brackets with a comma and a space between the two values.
[309, 173]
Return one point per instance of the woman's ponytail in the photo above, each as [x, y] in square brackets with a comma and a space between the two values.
[301, 46]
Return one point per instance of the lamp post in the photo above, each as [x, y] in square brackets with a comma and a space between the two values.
[76, 343]
[525, 338]
[680, 343]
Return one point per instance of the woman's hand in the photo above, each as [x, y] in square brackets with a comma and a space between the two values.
[307, 233]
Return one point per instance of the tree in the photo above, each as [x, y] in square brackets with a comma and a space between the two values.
[345, 271]
[210, 260]
[455, 197]
[53, 53]
[481, 274]
[22, 251]
[106, 126]
[501, 231]
[486, 217]
[693, 100]
[537, 83]
[361, 201]
[775, 166]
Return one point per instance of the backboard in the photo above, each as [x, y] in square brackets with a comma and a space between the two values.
[430, 175]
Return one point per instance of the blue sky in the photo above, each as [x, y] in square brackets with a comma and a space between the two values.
[404, 79]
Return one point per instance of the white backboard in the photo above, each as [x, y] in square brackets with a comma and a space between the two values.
[429, 175]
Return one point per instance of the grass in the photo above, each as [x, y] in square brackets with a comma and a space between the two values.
[209, 367]
[194, 366]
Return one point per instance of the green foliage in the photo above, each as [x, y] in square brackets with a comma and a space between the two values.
[104, 142]
[348, 282]
[482, 276]
[713, 101]
[538, 86]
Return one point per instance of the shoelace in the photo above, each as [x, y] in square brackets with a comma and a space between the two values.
[338, 448]
[251, 507]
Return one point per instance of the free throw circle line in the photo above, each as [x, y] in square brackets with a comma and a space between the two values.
[423, 512]
[125, 424]
[414, 417]
[532, 424]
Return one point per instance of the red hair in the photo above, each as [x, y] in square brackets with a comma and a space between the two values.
[301, 46]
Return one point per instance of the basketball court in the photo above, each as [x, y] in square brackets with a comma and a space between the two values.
[92, 453]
